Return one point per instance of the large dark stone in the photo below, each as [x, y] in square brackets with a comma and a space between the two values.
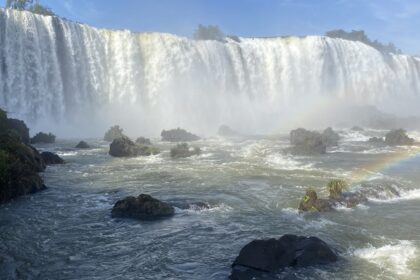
[19, 167]
[398, 137]
[307, 142]
[124, 147]
[183, 151]
[21, 129]
[50, 158]
[82, 145]
[273, 255]
[143, 207]
[42, 137]
[178, 135]
[113, 133]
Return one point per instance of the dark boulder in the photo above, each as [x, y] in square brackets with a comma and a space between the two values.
[143, 141]
[330, 137]
[124, 147]
[21, 129]
[307, 142]
[82, 145]
[261, 257]
[42, 137]
[183, 151]
[19, 167]
[143, 207]
[113, 133]
[226, 131]
[178, 135]
[50, 158]
[398, 137]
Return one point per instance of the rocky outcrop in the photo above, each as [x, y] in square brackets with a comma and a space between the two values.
[143, 141]
[183, 151]
[143, 207]
[178, 135]
[124, 147]
[226, 131]
[337, 196]
[50, 158]
[330, 137]
[20, 128]
[82, 145]
[42, 137]
[398, 137]
[260, 258]
[307, 142]
[113, 133]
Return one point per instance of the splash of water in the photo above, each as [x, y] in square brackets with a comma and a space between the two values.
[57, 69]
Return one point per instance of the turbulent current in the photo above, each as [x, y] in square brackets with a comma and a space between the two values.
[56, 69]
[253, 189]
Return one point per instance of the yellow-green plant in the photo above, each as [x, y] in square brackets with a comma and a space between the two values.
[336, 187]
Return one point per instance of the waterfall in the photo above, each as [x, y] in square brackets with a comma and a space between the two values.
[54, 69]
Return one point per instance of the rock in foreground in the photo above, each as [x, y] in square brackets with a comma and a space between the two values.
[143, 207]
[183, 151]
[398, 137]
[178, 135]
[124, 147]
[260, 257]
[42, 137]
[50, 158]
[82, 145]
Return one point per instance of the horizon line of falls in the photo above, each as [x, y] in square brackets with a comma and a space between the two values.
[57, 72]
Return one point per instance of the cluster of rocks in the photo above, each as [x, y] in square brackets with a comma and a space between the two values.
[337, 196]
[312, 142]
[20, 163]
[178, 135]
[396, 137]
[45, 138]
[183, 151]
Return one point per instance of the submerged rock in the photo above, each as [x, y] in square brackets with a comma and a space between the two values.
[143, 207]
[330, 137]
[307, 142]
[50, 158]
[42, 137]
[178, 135]
[82, 145]
[226, 131]
[113, 133]
[143, 141]
[261, 257]
[124, 147]
[183, 151]
[398, 137]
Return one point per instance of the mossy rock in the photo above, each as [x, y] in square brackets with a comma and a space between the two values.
[311, 203]
[336, 188]
[42, 137]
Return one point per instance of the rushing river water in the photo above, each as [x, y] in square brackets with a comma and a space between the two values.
[253, 187]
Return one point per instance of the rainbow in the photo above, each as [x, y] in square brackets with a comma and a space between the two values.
[388, 160]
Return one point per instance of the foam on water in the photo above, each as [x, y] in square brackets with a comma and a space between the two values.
[393, 257]
[287, 162]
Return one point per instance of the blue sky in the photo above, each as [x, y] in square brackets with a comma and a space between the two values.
[387, 20]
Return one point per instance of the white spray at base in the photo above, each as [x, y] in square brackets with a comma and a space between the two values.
[53, 69]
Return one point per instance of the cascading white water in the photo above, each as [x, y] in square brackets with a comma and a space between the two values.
[55, 69]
